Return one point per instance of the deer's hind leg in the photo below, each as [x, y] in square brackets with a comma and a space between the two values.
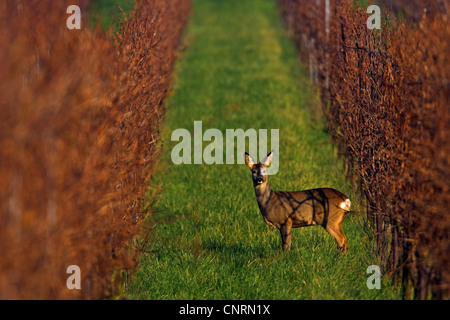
[335, 230]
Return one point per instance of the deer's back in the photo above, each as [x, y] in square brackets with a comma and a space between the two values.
[305, 208]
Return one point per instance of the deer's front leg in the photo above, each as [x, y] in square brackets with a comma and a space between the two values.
[285, 231]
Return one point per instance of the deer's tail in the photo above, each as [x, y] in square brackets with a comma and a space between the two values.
[345, 205]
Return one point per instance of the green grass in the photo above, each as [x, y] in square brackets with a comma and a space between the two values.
[209, 240]
[106, 13]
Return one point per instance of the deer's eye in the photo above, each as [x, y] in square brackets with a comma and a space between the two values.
[254, 171]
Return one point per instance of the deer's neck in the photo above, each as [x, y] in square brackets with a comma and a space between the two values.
[263, 195]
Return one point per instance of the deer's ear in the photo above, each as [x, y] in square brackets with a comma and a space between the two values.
[249, 160]
[267, 160]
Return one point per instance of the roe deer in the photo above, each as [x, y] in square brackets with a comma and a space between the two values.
[286, 210]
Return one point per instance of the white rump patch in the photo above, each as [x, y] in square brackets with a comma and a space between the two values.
[345, 205]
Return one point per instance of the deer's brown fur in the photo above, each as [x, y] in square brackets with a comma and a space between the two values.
[286, 210]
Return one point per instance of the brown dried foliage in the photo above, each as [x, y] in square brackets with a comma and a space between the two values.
[79, 117]
[412, 9]
[386, 96]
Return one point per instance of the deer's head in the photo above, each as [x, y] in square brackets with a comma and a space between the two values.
[259, 174]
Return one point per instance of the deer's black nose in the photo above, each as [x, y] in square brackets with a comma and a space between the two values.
[259, 180]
